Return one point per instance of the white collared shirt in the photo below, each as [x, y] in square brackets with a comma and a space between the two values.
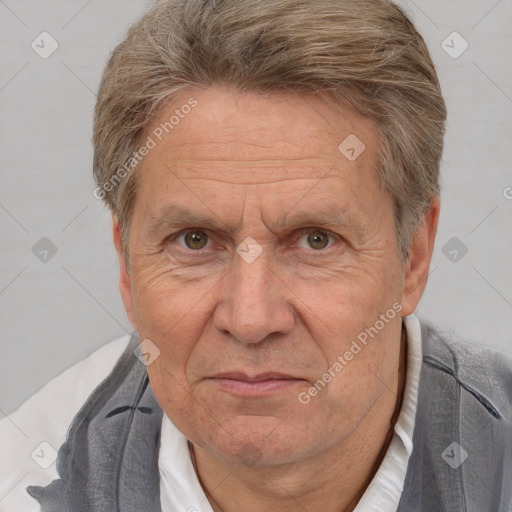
[180, 488]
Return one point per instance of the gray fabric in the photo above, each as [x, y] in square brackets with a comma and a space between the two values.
[465, 396]
[110, 459]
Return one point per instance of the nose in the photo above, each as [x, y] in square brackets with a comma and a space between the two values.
[254, 303]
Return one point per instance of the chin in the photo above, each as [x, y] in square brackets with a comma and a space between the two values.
[259, 441]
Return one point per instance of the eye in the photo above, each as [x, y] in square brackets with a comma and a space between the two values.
[194, 239]
[316, 240]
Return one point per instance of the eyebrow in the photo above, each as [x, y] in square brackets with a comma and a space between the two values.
[178, 216]
[326, 216]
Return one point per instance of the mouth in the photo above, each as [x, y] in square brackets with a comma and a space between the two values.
[262, 384]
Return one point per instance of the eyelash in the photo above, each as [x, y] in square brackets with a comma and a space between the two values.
[304, 232]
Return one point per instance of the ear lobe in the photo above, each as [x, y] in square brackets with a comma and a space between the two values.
[416, 269]
[125, 285]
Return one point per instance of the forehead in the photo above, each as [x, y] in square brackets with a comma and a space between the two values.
[279, 144]
[224, 125]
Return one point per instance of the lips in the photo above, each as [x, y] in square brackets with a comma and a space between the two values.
[255, 378]
[261, 384]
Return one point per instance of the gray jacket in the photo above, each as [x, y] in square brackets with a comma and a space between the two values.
[109, 462]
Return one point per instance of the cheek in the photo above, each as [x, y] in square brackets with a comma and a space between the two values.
[356, 326]
[173, 317]
[349, 302]
[163, 304]
[174, 320]
[359, 374]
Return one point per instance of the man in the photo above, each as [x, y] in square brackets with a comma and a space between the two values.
[272, 172]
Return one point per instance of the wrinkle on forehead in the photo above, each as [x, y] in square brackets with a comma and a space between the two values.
[231, 202]
[255, 211]
[242, 159]
[264, 171]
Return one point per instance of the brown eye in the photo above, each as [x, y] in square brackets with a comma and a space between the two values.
[195, 239]
[318, 240]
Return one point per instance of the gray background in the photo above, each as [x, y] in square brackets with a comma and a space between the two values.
[55, 312]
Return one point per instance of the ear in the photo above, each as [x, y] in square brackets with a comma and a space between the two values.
[417, 266]
[125, 285]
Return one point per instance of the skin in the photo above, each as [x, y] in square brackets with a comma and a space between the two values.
[243, 161]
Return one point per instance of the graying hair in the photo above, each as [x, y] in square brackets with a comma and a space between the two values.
[365, 54]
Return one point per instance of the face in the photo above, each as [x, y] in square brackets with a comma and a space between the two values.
[258, 255]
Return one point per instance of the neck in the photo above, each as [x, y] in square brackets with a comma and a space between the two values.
[332, 481]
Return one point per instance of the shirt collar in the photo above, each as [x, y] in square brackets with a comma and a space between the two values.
[385, 490]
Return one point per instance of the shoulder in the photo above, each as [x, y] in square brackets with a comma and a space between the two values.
[462, 443]
[484, 372]
[32, 435]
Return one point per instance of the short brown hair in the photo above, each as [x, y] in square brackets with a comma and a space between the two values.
[365, 54]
